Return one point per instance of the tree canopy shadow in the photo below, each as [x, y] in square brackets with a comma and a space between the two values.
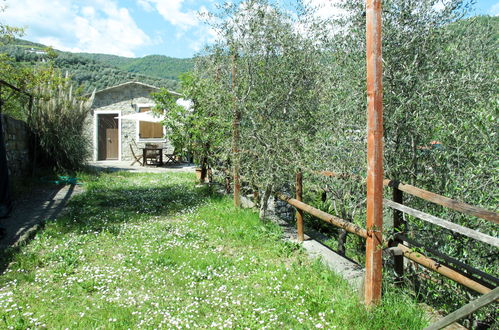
[106, 209]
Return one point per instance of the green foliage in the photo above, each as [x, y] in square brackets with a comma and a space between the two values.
[153, 250]
[278, 77]
[439, 86]
[12, 104]
[196, 131]
[176, 120]
[15, 104]
[301, 96]
[57, 120]
[153, 65]
[84, 70]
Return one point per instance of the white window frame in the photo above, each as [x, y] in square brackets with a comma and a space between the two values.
[137, 125]
[96, 123]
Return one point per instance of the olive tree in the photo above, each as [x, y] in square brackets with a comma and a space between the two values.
[300, 91]
[197, 129]
[440, 113]
[277, 65]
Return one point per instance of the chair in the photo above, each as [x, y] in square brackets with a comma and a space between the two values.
[137, 159]
[171, 158]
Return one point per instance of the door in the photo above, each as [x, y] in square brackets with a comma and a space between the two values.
[107, 137]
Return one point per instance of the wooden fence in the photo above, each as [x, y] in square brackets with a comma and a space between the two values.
[402, 246]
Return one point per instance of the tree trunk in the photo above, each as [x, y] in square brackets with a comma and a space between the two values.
[342, 238]
[265, 202]
[256, 195]
[204, 163]
[204, 169]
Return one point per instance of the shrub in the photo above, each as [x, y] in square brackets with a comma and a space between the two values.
[57, 121]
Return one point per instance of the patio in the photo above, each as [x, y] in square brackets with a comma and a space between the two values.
[115, 166]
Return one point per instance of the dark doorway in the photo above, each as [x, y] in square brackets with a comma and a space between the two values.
[107, 137]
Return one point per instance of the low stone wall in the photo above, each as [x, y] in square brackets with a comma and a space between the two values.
[281, 209]
[16, 138]
[275, 207]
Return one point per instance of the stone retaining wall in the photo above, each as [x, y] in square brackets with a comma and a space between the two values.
[275, 207]
[16, 137]
[281, 209]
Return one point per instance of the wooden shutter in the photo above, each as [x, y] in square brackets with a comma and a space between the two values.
[149, 130]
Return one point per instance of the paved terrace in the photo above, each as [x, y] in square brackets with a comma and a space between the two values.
[125, 166]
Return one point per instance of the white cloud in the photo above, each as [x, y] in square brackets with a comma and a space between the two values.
[189, 26]
[327, 8]
[494, 10]
[204, 36]
[145, 5]
[95, 26]
[172, 12]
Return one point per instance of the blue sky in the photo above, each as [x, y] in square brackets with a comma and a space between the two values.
[132, 28]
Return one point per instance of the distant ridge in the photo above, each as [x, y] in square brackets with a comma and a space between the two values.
[152, 65]
[100, 70]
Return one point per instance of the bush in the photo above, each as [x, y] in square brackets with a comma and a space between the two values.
[57, 122]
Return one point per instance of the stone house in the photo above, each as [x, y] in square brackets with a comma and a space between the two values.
[112, 137]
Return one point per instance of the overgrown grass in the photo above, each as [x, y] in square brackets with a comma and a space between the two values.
[154, 250]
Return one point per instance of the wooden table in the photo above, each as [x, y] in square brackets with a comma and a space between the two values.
[152, 153]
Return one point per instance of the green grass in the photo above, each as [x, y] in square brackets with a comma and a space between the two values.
[154, 250]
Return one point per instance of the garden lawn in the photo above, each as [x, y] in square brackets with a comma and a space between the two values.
[155, 250]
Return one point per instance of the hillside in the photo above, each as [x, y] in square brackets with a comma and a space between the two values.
[153, 65]
[100, 70]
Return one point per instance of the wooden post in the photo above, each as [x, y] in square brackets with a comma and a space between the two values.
[235, 138]
[374, 153]
[299, 213]
[399, 228]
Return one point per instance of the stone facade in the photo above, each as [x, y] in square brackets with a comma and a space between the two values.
[123, 100]
[16, 138]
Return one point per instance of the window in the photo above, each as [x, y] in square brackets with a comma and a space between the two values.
[149, 130]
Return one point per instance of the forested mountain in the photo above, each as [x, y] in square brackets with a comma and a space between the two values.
[100, 70]
[153, 65]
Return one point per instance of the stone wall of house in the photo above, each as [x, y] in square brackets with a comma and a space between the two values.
[123, 99]
[16, 138]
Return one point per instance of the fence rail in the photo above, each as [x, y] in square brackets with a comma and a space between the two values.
[431, 264]
[398, 244]
[429, 196]
[443, 223]
[338, 222]
[444, 201]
